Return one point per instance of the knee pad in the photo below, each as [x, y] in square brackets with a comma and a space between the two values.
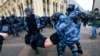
[54, 38]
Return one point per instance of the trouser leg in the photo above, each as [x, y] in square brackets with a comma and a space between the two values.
[78, 45]
[34, 42]
[1, 42]
[73, 50]
[80, 51]
[60, 47]
[94, 31]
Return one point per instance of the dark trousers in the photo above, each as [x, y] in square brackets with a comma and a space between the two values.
[1, 42]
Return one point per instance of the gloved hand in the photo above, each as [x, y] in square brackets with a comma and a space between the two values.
[54, 38]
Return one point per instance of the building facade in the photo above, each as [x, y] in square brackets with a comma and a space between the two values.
[96, 4]
[39, 7]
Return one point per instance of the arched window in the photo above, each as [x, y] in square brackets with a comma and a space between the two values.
[9, 12]
[53, 6]
[14, 11]
[61, 8]
[5, 13]
[22, 10]
[48, 10]
[27, 2]
[56, 6]
[31, 3]
[14, 0]
[44, 7]
[44, 1]
[48, 1]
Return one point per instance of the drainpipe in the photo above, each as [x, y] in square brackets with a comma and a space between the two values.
[93, 5]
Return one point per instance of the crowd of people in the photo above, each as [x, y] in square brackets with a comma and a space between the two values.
[95, 22]
[67, 28]
[13, 25]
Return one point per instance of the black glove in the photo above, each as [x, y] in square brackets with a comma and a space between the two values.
[54, 38]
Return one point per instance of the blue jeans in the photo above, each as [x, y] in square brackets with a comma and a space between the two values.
[94, 33]
[98, 27]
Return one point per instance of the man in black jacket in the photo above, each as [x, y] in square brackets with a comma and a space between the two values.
[34, 38]
[31, 25]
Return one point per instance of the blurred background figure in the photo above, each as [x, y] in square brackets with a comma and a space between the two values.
[95, 20]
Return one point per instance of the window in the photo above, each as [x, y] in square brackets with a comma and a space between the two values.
[47, 1]
[14, 11]
[44, 7]
[9, 12]
[5, 13]
[61, 8]
[44, 1]
[48, 11]
[31, 2]
[56, 6]
[14, 0]
[27, 2]
[22, 9]
[44, 10]
[53, 6]
[48, 8]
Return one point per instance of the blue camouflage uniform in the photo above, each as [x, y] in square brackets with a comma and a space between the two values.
[72, 16]
[68, 35]
[60, 25]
